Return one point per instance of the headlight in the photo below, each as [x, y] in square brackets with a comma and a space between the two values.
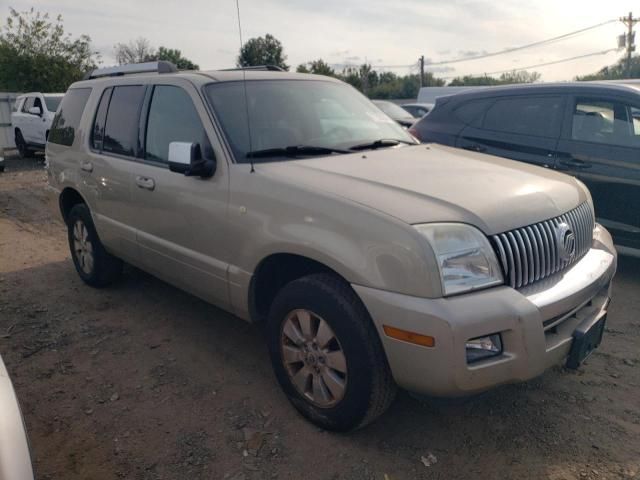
[464, 255]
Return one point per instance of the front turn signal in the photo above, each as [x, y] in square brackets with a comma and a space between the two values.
[409, 337]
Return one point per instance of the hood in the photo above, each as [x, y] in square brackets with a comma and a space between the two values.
[434, 183]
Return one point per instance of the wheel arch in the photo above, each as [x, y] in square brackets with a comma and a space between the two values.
[69, 197]
[274, 272]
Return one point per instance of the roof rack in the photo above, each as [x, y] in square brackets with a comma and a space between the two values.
[147, 67]
[271, 68]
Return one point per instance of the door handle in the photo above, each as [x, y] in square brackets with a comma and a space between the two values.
[574, 163]
[475, 148]
[145, 182]
[87, 166]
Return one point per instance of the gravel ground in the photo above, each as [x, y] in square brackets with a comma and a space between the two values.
[143, 381]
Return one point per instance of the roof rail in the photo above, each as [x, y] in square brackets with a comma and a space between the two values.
[271, 68]
[147, 67]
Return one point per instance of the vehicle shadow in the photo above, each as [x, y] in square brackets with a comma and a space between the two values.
[180, 365]
[13, 163]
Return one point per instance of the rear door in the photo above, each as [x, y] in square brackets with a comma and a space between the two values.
[600, 145]
[181, 221]
[523, 128]
[107, 169]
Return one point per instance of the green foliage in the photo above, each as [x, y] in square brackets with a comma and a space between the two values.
[174, 56]
[265, 50]
[384, 85]
[509, 78]
[37, 55]
[615, 72]
[317, 67]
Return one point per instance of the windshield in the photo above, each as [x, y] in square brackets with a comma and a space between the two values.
[52, 102]
[285, 113]
[393, 110]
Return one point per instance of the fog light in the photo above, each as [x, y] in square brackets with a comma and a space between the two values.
[483, 347]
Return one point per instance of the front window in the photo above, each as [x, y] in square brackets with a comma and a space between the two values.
[52, 102]
[290, 113]
[609, 122]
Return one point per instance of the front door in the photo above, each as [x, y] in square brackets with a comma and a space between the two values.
[181, 221]
[29, 121]
[523, 128]
[601, 146]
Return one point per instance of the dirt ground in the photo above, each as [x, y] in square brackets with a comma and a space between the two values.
[143, 381]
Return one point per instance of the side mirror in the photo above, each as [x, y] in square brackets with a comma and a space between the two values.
[35, 111]
[186, 158]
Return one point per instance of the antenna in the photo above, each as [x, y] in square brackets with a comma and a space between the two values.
[244, 84]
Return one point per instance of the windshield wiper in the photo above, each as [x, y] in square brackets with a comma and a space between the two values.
[383, 142]
[293, 151]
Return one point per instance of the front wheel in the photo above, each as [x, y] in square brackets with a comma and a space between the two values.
[327, 355]
[94, 264]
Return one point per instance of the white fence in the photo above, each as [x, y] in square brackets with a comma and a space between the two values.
[6, 132]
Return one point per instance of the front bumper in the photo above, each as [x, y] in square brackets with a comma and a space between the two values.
[536, 324]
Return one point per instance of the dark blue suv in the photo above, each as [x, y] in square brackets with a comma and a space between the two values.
[589, 130]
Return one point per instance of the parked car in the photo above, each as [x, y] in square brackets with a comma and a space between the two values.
[371, 261]
[589, 130]
[31, 120]
[15, 457]
[418, 110]
[396, 112]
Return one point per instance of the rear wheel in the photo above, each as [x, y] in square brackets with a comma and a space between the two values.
[93, 263]
[23, 150]
[327, 355]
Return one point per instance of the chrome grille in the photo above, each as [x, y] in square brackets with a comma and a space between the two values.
[531, 253]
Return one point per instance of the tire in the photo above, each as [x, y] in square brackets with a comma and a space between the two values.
[364, 390]
[94, 264]
[23, 150]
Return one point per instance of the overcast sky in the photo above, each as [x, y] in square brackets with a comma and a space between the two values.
[381, 32]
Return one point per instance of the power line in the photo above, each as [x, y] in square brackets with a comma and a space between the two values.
[493, 54]
[522, 47]
[578, 57]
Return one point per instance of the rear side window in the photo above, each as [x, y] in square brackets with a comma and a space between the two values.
[67, 120]
[121, 126]
[472, 112]
[535, 116]
[97, 132]
[173, 118]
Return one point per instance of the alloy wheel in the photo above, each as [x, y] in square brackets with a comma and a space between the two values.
[313, 358]
[82, 247]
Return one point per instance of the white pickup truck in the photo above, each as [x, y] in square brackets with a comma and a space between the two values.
[31, 120]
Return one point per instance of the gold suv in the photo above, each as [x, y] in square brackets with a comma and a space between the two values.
[372, 260]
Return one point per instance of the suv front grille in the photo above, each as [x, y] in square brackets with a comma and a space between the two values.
[534, 252]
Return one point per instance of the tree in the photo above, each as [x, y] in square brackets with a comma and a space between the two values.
[521, 76]
[37, 55]
[136, 51]
[615, 71]
[174, 56]
[318, 67]
[265, 50]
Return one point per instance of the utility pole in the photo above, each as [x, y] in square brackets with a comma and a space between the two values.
[422, 71]
[630, 43]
